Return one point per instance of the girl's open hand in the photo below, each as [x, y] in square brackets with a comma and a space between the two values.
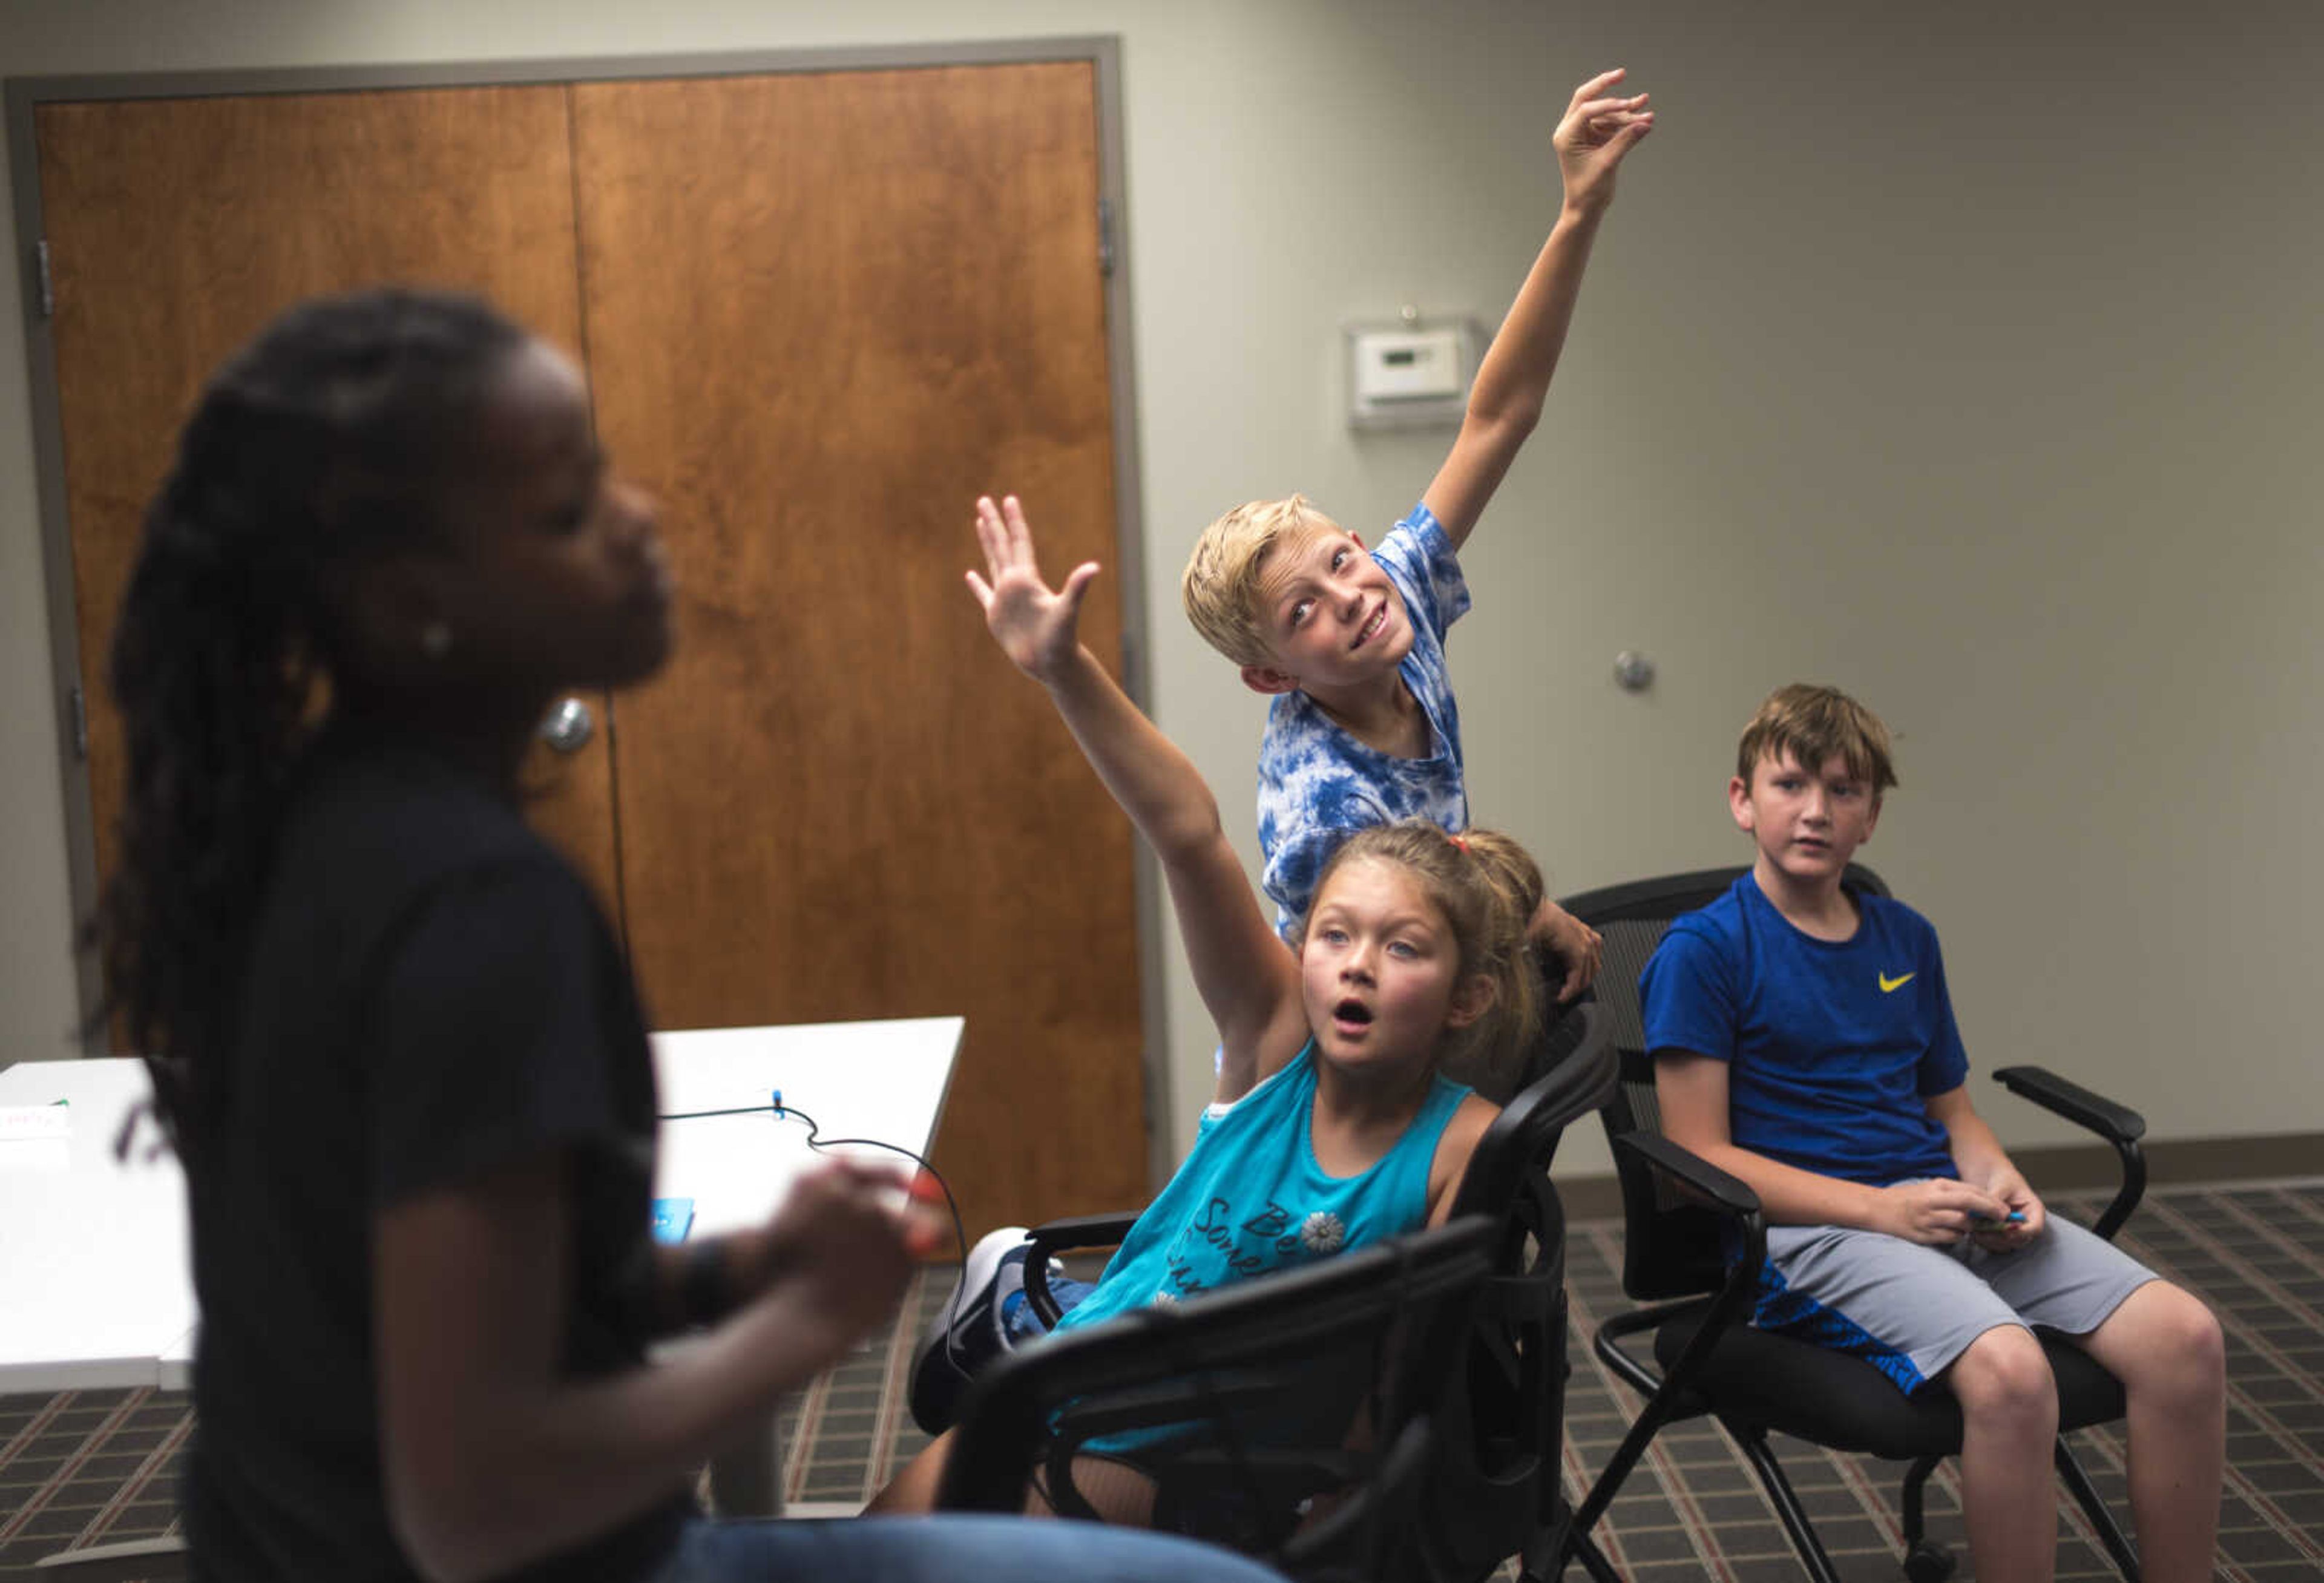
[1037, 627]
[1598, 130]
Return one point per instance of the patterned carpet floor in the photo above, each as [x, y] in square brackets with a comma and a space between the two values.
[85, 1468]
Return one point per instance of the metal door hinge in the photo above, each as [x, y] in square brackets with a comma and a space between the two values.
[80, 722]
[1104, 239]
[48, 288]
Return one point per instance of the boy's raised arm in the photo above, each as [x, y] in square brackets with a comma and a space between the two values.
[1506, 402]
[1248, 981]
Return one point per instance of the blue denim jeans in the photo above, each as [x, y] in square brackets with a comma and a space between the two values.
[945, 1549]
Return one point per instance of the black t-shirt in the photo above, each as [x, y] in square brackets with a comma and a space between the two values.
[431, 993]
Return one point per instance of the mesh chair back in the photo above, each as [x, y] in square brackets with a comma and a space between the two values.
[1494, 1480]
[1239, 1409]
[1570, 1073]
[1560, 1036]
[1670, 1247]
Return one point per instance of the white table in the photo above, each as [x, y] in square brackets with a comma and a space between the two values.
[95, 1286]
[884, 1080]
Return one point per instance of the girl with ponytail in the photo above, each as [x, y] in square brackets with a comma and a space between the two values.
[1334, 1122]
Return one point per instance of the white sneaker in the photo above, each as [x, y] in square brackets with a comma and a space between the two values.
[966, 1334]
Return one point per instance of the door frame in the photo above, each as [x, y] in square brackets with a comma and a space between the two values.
[25, 96]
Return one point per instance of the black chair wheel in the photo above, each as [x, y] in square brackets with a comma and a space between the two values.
[1928, 1563]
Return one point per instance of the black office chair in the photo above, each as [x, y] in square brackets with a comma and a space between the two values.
[1495, 1488]
[1286, 1417]
[1711, 1361]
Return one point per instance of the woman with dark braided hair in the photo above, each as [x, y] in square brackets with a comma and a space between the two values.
[392, 1036]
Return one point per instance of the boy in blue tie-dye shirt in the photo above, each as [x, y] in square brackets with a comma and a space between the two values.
[1364, 730]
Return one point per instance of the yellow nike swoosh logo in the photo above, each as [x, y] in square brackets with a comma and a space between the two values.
[1889, 986]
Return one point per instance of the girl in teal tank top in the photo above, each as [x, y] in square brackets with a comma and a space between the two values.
[1251, 1198]
[1331, 1125]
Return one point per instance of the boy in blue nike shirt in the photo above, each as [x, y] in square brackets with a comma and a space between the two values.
[1804, 1044]
[1363, 730]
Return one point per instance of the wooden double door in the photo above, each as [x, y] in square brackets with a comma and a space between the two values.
[821, 311]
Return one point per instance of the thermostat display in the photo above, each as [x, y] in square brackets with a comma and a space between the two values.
[1406, 376]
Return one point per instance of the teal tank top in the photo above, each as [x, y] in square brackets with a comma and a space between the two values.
[1251, 1198]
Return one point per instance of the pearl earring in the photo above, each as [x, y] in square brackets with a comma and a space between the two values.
[436, 639]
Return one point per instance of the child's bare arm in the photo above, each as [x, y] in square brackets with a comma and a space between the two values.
[1506, 402]
[1247, 978]
[1692, 1091]
[1454, 1149]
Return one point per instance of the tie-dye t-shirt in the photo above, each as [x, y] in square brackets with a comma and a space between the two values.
[1316, 782]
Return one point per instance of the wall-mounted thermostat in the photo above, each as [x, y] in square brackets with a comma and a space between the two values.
[1410, 374]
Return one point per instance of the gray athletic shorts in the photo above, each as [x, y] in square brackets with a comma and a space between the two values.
[1912, 1309]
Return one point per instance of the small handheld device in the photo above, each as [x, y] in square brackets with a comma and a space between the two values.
[2013, 1218]
[672, 1218]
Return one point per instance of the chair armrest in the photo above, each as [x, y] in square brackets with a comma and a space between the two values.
[1732, 1201]
[1105, 1230]
[1715, 1186]
[1736, 1204]
[2117, 1124]
[1072, 1231]
[2093, 1112]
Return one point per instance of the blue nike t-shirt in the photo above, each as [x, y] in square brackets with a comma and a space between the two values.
[1832, 1047]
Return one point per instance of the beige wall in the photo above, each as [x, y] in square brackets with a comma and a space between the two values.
[1965, 357]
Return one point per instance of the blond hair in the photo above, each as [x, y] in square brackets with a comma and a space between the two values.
[1219, 587]
[1812, 723]
[1488, 888]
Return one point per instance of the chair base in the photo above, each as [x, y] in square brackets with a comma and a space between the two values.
[1923, 1562]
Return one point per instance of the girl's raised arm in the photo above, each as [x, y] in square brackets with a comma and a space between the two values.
[1248, 980]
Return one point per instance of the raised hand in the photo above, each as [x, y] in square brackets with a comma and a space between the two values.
[1037, 627]
[1598, 130]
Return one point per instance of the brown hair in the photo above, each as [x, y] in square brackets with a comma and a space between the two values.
[1487, 888]
[1219, 587]
[1812, 723]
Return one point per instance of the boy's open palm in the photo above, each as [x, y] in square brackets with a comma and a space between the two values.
[1037, 627]
[1596, 130]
